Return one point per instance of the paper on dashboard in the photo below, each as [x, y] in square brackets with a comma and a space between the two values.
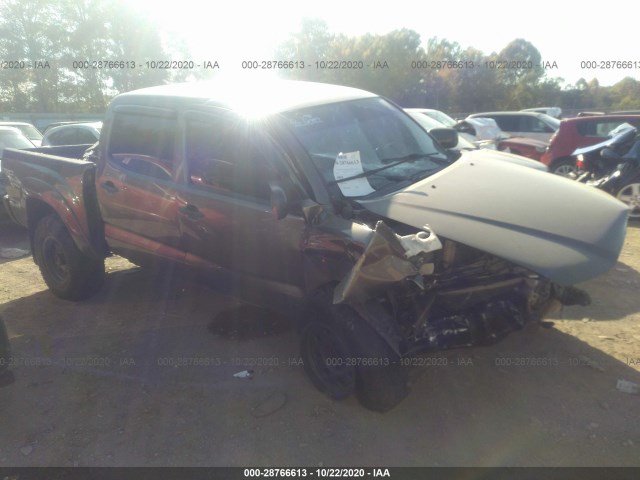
[349, 165]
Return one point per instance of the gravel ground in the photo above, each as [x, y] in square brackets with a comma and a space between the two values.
[146, 374]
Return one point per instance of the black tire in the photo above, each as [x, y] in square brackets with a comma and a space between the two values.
[564, 167]
[68, 272]
[343, 354]
[381, 381]
[630, 195]
[325, 355]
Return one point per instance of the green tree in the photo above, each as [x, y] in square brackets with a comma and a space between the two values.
[61, 32]
[134, 38]
[31, 31]
[625, 95]
[521, 62]
[311, 43]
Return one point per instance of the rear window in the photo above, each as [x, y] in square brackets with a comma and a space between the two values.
[600, 128]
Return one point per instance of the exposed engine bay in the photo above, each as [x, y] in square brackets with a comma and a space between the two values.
[422, 293]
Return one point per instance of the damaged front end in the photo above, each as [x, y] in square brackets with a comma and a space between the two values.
[421, 294]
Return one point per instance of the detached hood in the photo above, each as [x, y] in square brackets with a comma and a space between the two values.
[561, 229]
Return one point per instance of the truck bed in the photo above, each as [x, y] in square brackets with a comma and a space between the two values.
[55, 179]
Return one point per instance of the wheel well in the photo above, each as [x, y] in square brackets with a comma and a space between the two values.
[36, 211]
[555, 162]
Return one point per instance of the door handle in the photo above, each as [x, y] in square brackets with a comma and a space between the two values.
[192, 212]
[109, 187]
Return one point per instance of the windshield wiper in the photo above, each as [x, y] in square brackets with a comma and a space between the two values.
[412, 157]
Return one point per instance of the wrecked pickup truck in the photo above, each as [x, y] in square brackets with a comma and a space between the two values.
[322, 200]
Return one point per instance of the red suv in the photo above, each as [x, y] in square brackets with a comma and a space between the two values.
[580, 132]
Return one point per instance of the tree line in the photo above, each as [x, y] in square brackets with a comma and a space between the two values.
[441, 74]
[44, 46]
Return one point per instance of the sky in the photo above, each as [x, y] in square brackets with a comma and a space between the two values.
[566, 33]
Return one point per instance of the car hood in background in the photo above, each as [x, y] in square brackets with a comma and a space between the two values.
[532, 142]
[531, 218]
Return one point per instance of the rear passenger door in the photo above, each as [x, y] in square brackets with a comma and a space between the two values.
[137, 185]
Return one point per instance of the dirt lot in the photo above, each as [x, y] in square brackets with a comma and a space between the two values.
[103, 383]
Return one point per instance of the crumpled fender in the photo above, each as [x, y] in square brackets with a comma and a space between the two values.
[388, 258]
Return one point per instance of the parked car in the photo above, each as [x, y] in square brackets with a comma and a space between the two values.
[526, 147]
[446, 121]
[28, 130]
[555, 112]
[523, 124]
[72, 134]
[487, 128]
[625, 112]
[437, 115]
[11, 137]
[614, 166]
[325, 202]
[66, 122]
[579, 132]
[429, 123]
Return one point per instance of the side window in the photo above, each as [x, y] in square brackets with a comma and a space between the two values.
[229, 156]
[143, 144]
[145, 166]
[532, 124]
[82, 136]
[506, 123]
[536, 125]
[597, 128]
[57, 138]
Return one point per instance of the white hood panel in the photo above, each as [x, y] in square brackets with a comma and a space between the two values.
[559, 228]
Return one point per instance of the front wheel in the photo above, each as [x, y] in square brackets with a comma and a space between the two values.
[343, 354]
[565, 168]
[382, 382]
[325, 357]
[69, 273]
[630, 194]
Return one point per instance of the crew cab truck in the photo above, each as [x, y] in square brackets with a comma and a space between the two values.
[322, 200]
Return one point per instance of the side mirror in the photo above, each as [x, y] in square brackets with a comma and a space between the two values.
[609, 154]
[279, 203]
[446, 137]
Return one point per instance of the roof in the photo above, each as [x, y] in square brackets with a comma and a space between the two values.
[510, 112]
[9, 129]
[599, 118]
[258, 96]
[8, 123]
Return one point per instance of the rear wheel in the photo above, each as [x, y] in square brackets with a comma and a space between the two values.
[630, 194]
[565, 167]
[68, 272]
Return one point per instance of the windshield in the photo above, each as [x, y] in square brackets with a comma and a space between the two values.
[30, 132]
[13, 140]
[365, 146]
[441, 117]
[549, 120]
